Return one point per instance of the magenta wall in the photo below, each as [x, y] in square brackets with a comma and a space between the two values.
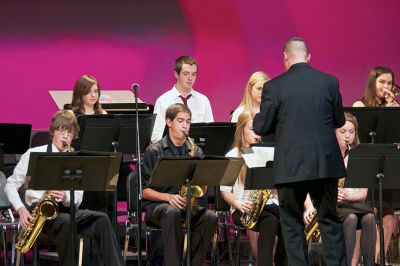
[47, 45]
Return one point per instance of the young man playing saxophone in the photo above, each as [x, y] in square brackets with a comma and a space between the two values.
[63, 129]
[164, 206]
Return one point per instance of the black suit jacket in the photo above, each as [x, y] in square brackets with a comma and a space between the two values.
[302, 106]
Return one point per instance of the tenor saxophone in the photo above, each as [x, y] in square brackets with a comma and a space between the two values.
[45, 210]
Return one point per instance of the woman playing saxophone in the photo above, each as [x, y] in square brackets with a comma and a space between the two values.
[268, 221]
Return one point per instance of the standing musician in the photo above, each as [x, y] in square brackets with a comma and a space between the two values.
[164, 206]
[303, 106]
[268, 221]
[185, 72]
[63, 129]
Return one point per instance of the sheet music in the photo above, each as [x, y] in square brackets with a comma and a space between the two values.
[258, 156]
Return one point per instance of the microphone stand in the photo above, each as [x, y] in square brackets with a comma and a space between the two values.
[135, 88]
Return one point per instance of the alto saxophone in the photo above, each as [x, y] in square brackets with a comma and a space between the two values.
[45, 210]
[258, 200]
[311, 229]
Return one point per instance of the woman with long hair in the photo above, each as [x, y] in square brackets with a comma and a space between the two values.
[252, 95]
[378, 92]
[236, 196]
[85, 97]
[353, 209]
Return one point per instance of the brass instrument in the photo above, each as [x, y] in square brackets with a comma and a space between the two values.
[394, 93]
[258, 199]
[45, 210]
[312, 229]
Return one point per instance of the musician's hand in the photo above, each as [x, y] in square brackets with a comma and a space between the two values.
[309, 214]
[343, 195]
[177, 201]
[243, 206]
[390, 98]
[58, 195]
[24, 217]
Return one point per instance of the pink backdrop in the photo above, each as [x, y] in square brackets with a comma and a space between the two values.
[47, 45]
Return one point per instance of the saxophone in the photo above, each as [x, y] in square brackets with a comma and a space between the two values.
[312, 229]
[195, 191]
[341, 180]
[258, 199]
[45, 210]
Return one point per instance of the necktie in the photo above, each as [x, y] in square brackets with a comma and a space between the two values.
[184, 100]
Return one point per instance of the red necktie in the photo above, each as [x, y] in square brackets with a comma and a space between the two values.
[184, 100]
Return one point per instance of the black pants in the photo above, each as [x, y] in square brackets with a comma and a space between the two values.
[323, 192]
[169, 218]
[93, 224]
[268, 227]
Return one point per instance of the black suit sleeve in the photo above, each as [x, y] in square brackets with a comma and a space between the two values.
[265, 121]
[338, 113]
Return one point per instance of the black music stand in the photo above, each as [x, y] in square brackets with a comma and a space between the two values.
[14, 139]
[113, 132]
[374, 122]
[117, 132]
[90, 171]
[370, 165]
[213, 138]
[259, 177]
[195, 172]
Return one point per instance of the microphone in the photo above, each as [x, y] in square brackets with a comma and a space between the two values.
[135, 87]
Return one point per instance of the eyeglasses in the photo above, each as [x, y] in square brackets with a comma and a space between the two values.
[65, 131]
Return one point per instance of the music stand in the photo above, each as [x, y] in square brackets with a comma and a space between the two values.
[194, 172]
[369, 164]
[14, 139]
[73, 171]
[213, 138]
[113, 132]
[373, 123]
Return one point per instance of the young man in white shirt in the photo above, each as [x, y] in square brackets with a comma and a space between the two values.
[63, 129]
[185, 73]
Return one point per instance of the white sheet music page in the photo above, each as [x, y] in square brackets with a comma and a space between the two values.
[258, 156]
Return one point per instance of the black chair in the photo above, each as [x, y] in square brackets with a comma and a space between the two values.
[7, 221]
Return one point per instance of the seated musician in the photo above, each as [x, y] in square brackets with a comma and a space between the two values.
[96, 225]
[164, 206]
[353, 210]
[268, 221]
[355, 213]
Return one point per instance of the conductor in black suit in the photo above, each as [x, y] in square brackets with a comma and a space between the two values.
[302, 107]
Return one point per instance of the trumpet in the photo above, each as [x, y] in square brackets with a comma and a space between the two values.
[393, 94]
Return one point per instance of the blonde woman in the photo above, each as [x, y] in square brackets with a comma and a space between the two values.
[252, 96]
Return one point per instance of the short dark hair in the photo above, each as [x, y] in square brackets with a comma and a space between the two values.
[185, 59]
[174, 109]
[296, 39]
[64, 119]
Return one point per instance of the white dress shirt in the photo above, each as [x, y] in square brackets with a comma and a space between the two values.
[238, 188]
[18, 179]
[198, 104]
